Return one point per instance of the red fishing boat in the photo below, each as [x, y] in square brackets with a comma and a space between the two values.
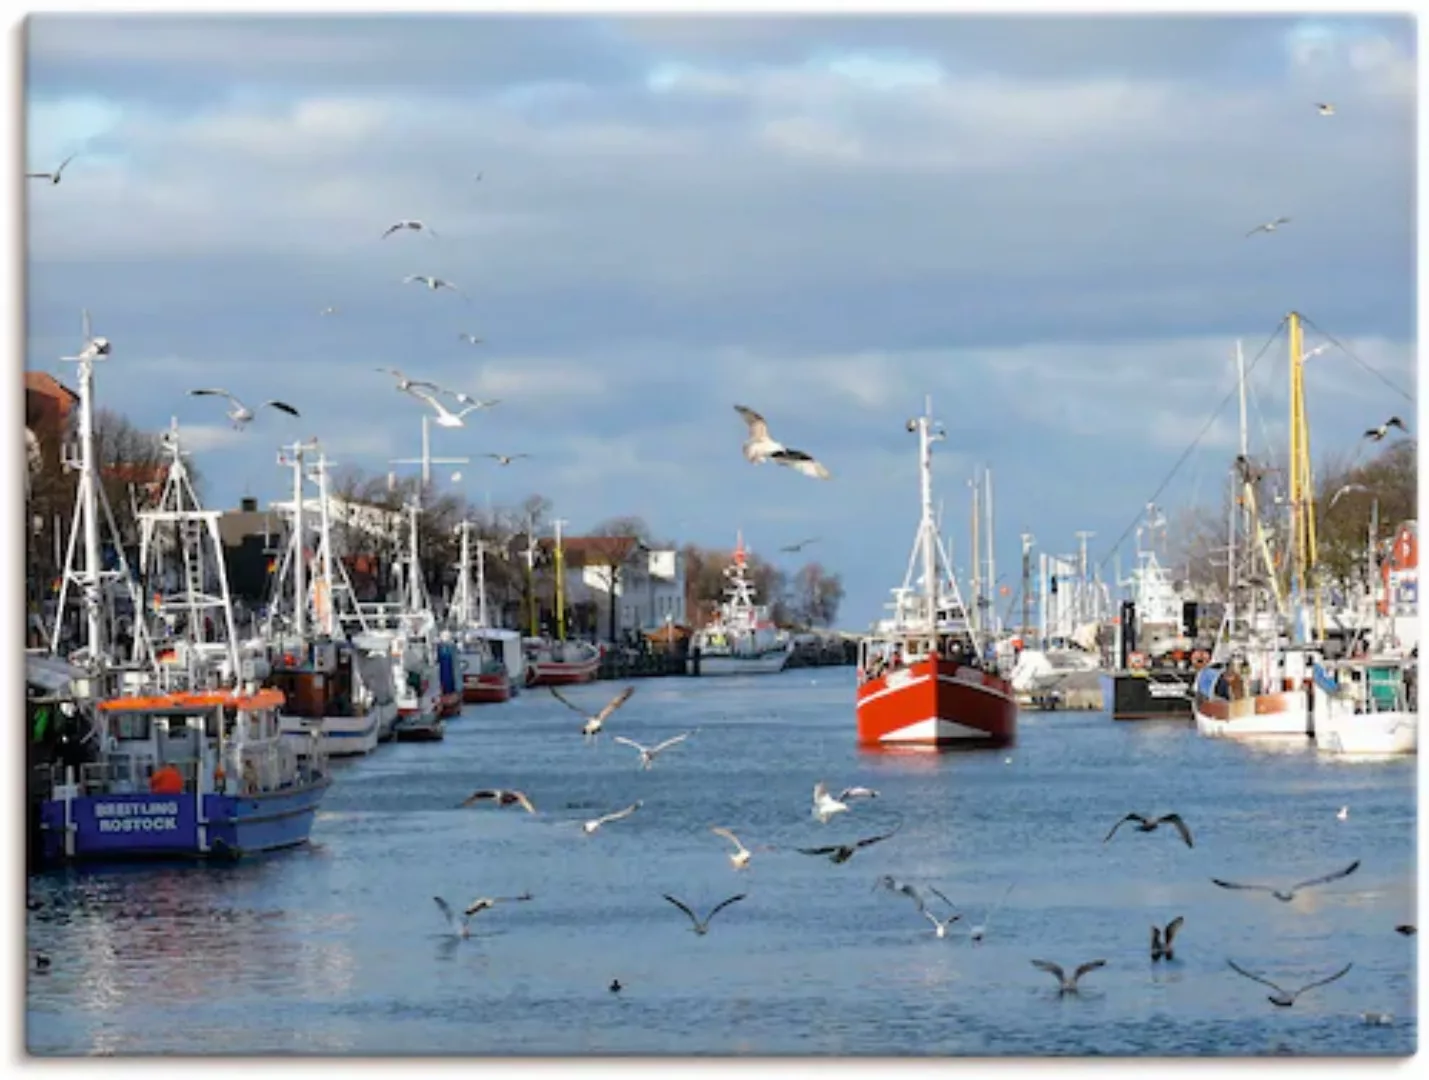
[922, 680]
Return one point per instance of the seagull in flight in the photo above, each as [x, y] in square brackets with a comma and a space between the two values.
[1325, 108]
[404, 383]
[595, 823]
[462, 927]
[445, 417]
[978, 932]
[1376, 434]
[1146, 824]
[800, 546]
[433, 283]
[505, 459]
[52, 177]
[940, 926]
[825, 805]
[415, 226]
[648, 753]
[702, 926]
[467, 399]
[857, 793]
[1347, 489]
[761, 447]
[329, 310]
[1407, 929]
[842, 853]
[594, 723]
[500, 797]
[1282, 997]
[1067, 985]
[471, 339]
[892, 884]
[1161, 939]
[1269, 226]
[740, 856]
[241, 414]
[1286, 895]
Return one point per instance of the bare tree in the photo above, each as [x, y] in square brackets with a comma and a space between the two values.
[816, 595]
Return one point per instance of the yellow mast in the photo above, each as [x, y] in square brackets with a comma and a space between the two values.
[1302, 489]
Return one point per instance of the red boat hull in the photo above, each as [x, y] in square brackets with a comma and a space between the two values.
[449, 704]
[486, 689]
[546, 673]
[937, 702]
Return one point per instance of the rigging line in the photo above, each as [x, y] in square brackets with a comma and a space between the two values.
[1195, 442]
[1346, 350]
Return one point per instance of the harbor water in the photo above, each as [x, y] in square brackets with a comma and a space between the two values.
[338, 948]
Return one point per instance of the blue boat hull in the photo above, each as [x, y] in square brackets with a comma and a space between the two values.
[146, 826]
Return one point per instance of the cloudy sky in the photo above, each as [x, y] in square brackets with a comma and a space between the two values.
[1038, 221]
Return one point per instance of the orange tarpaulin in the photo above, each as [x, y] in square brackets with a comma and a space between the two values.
[166, 781]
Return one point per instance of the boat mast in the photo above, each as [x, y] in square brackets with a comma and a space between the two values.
[415, 585]
[976, 556]
[481, 582]
[991, 558]
[1026, 587]
[329, 611]
[531, 576]
[560, 582]
[927, 527]
[463, 587]
[1302, 494]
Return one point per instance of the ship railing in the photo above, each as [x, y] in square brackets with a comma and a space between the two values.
[272, 765]
[130, 774]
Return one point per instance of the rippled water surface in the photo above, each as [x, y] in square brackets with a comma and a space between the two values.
[338, 948]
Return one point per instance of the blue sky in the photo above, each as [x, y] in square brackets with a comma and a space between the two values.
[1038, 221]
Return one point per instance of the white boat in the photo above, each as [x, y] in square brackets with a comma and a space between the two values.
[414, 655]
[486, 677]
[1366, 706]
[1261, 691]
[741, 640]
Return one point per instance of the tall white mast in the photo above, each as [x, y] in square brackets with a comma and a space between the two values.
[976, 616]
[991, 557]
[928, 526]
[300, 592]
[415, 585]
[329, 615]
[481, 582]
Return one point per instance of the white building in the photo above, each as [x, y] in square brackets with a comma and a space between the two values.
[647, 587]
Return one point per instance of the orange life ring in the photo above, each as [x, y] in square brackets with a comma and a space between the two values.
[1136, 661]
[1200, 658]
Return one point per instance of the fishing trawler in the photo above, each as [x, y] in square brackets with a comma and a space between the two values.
[414, 655]
[485, 677]
[741, 639]
[921, 680]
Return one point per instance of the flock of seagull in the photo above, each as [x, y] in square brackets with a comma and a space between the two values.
[826, 806]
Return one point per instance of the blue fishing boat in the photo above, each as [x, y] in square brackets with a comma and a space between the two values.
[191, 774]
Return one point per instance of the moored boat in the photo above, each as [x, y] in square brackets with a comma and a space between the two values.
[559, 663]
[1366, 706]
[483, 652]
[202, 774]
[741, 639]
[1260, 692]
[921, 680]
[323, 695]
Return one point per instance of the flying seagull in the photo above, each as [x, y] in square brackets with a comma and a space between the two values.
[594, 723]
[241, 414]
[1325, 108]
[1282, 997]
[595, 823]
[1376, 434]
[52, 177]
[648, 753]
[978, 932]
[505, 459]
[1161, 939]
[702, 926]
[1345, 491]
[940, 926]
[433, 283]
[1407, 929]
[467, 399]
[800, 546]
[330, 310]
[500, 797]
[404, 383]
[1066, 985]
[415, 226]
[739, 857]
[484, 903]
[842, 853]
[470, 338]
[1147, 824]
[857, 793]
[1287, 895]
[1269, 226]
[760, 447]
[825, 805]
[445, 417]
